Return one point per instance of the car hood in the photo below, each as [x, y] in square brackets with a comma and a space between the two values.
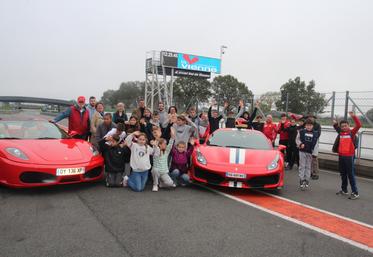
[237, 157]
[53, 151]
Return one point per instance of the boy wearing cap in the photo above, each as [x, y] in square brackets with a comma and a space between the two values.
[78, 119]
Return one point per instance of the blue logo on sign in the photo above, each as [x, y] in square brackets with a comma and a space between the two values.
[198, 63]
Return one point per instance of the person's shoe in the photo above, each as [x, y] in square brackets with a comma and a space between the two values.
[155, 188]
[125, 181]
[302, 185]
[306, 184]
[341, 192]
[353, 196]
[315, 177]
[107, 184]
[289, 167]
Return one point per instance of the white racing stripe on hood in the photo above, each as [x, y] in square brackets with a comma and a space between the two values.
[232, 155]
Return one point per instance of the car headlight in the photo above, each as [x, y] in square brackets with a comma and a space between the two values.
[16, 153]
[200, 158]
[274, 164]
[94, 151]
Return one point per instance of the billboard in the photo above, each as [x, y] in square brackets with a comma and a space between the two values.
[190, 62]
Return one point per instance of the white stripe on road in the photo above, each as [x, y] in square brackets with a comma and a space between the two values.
[321, 231]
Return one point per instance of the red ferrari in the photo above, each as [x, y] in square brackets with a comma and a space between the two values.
[37, 153]
[239, 158]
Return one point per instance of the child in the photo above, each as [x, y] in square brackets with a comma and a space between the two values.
[306, 141]
[292, 150]
[160, 162]
[214, 118]
[182, 130]
[269, 129]
[113, 154]
[192, 115]
[119, 130]
[155, 119]
[345, 146]
[203, 126]
[140, 162]
[258, 124]
[180, 162]
[132, 125]
[230, 118]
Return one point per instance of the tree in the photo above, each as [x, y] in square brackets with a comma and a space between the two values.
[190, 91]
[268, 100]
[302, 98]
[228, 88]
[127, 93]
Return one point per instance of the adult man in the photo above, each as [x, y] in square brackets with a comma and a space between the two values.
[139, 112]
[192, 115]
[163, 116]
[78, 119]
[91, 106]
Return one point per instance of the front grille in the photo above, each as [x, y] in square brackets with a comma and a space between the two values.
[93, 173]
[211, 178]
[37, 177]
[261, 181]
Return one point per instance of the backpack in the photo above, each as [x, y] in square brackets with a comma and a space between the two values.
[336, 142]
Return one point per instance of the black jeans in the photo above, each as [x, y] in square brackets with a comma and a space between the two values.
[292, 154]
[347, 172]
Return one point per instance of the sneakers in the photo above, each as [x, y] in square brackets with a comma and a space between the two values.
[341, 192]
[155, 188]
[302, 185]
[125, 181]
[353, 196]
[307, 184]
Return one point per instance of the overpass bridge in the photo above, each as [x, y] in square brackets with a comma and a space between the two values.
[36, 100]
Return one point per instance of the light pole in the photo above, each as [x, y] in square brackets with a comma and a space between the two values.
[222, 51]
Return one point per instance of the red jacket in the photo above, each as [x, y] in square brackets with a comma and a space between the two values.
[270, 131]
[281, 128]
[79, 122]
[346, 139]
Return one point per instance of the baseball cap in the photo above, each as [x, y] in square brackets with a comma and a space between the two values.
[81, 99]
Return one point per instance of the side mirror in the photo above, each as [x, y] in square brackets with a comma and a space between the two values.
[281, 147]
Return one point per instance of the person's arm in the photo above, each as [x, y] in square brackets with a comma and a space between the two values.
[169, 146]
[357, 123]
[129, 140]
[62, 115]
[209, 113]
[297, 140]
[253, 115]
[93, 123]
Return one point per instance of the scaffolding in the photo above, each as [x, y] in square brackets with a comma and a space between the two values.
[158, 81]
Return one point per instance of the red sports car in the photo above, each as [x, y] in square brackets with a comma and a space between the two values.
[38, 153]
[240, 158]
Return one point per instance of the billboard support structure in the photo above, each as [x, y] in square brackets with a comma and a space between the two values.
[161, 68]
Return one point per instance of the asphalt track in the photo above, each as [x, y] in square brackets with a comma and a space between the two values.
[91, 220]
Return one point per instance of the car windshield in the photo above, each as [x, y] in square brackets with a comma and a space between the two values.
[30, 130]
[239, 139]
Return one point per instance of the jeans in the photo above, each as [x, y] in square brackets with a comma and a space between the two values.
[347, 172]
[177, 177]
[137, 180]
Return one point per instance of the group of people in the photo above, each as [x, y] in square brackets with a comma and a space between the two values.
[162, 141]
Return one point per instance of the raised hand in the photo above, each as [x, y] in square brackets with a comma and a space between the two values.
[352, 114]
[240, 103]
[173, 133]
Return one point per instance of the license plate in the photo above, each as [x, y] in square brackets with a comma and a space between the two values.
[69, 171]
[235, 175]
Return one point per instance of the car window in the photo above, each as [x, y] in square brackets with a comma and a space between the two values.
[30, 130]
[239, 139]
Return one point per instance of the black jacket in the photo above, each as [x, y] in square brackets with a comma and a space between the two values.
[114, 157]
[214, 122]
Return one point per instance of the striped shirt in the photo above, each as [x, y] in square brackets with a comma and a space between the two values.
[160, 159]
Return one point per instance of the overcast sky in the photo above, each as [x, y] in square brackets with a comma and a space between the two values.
[61, 49]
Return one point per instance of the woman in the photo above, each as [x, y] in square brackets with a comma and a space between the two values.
[97, 119]
[120, 115]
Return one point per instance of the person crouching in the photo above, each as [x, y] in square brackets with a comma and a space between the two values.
[113, 154]
[181, 162]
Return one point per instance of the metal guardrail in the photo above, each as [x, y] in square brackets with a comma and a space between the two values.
[361, 135]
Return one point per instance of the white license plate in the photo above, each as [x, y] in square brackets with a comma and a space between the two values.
[235, 175]
[69, 171]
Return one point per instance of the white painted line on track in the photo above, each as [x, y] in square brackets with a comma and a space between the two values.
[314, 228]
